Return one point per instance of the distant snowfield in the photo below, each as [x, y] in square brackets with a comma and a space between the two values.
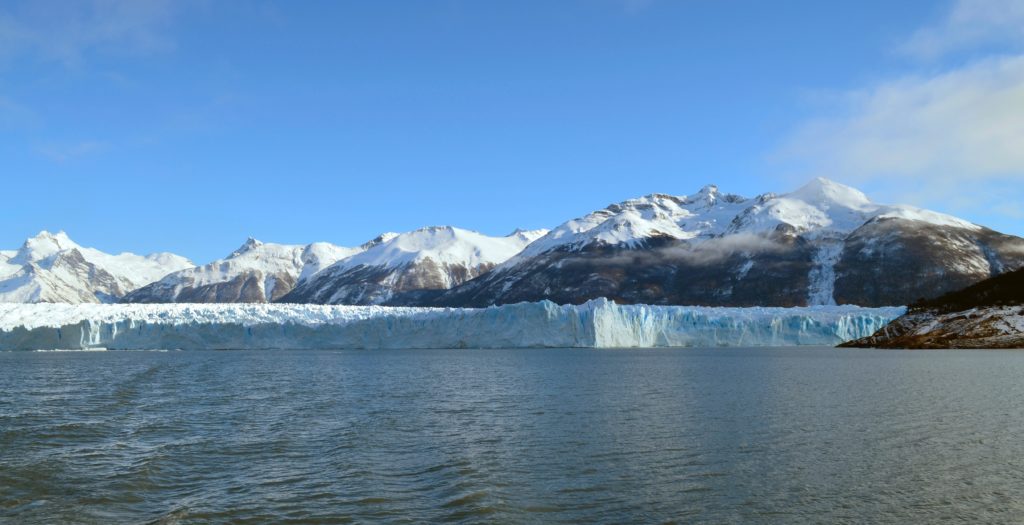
[596, 324]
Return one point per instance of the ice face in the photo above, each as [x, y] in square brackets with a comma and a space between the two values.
[680, 326]
[596, 324]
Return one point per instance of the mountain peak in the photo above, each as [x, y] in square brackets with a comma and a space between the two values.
[43, 245]
[707, 194]
[443, 245]
[249, 245]
[50, 267]
[380, 239]
[825, 191]
[710, 195]
[708, 189]
[434, 229]
[528, 235]
[427, 238]
[60, 239]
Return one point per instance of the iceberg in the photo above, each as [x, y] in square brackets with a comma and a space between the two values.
[596, 324]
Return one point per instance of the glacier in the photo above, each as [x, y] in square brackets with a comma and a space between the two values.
[596, 324]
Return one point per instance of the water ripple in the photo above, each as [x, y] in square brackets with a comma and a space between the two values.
[554, 436]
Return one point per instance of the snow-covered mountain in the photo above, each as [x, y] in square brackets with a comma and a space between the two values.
[256, 272]
[410, 268]
[824, 243]
[51, 268]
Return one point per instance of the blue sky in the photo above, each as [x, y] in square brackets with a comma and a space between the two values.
[187, 126]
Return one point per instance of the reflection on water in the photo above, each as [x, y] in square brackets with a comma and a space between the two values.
[571, 436]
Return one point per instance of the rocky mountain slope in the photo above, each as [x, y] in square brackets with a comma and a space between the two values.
[824, 243]
[989, 314]
[410, 268]
[256, 272]
[51, 268]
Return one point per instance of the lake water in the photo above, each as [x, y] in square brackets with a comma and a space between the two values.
[512, 436]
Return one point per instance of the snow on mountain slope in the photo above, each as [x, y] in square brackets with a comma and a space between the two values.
[443, 245]
[809, 246]
[51, 268]
[819, 207]
[597, 324]
[632, 222]
[320, 255]
[824, 207]
[823, 244]
[410, 264]
[255, 272]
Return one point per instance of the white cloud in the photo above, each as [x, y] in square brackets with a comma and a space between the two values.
[968, 121]
[950, 139]
[970, 23]
[67, 31]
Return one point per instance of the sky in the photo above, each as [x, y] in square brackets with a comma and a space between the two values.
[190, 125]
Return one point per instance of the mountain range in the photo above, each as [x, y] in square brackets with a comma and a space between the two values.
[824, 243]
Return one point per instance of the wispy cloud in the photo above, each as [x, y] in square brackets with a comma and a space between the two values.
[14, 115]
[72, 34]
[62, 153]
[952, 137]
[711, 251]
[966, 121]
[68, 31]
[967, 24]
[636, 6]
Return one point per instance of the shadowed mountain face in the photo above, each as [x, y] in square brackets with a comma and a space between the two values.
[658, 271]
[248, 286]
[822, 244]
[1003, 290]
[891, 261]
[412, 283]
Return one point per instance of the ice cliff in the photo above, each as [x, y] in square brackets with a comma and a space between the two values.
[596, 324]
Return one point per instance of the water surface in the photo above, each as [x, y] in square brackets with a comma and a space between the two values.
[512, 436]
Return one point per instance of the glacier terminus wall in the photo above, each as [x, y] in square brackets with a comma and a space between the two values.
[595, 324]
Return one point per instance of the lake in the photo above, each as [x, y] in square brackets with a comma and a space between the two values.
[785, 435]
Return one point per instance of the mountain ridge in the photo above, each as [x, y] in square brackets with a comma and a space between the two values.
[412, 265]
[810, 246]
[823, 243]
[50, 267]
[255, 272]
